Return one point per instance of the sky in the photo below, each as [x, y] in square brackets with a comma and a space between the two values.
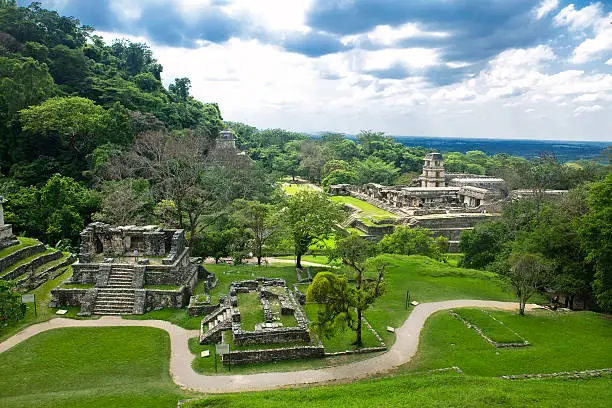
[525, 69]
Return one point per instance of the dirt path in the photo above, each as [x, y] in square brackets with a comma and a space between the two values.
[406, 344]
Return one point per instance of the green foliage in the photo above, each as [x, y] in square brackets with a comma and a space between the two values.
[528, 273]
[309, 217]
[595, 230]
[483, 244]
[375, 170]
[11, 308]
[259, 220]
[59, 209]
[131, 365]
[413, 241]
[78, 121]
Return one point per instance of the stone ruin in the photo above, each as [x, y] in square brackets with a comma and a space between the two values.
[6, 230]
[120, 262]
[446, 203]
[227, 318]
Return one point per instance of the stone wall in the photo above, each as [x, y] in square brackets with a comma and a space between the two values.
[6, 233]
[68, 297]
[20, 254]
[174, 299]
[239, 357]
[269, 336]
[32, 265]
[29, 283]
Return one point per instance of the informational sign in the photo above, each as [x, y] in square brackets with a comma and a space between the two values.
[222, 349]
[30, 299]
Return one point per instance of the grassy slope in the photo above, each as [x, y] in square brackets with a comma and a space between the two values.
[292, 189]
[427, 391]
[368, 210]
[428, 281]
[26, 260]
[492, 328]
[174, 316]
[23, 243]
[559, 342]
[90, 367]
[44, 312]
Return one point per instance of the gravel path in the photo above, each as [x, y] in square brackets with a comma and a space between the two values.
[407, 340]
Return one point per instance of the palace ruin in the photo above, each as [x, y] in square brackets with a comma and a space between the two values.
[131, 270]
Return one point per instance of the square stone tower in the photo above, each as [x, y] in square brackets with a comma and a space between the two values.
[433, 171]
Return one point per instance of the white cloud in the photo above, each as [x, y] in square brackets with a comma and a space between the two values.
[593, 48]
[579, 19]
[545, 7]
[609, 62]
[388, 35]
[406, 57]
[274, 15]
[588, 109]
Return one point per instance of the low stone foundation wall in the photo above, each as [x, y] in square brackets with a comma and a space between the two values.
[270, 336]
[29, 283]
[68, 297]
[20, 255]
[33, 264]
[158, 299]
[563, 374]
[239, 357]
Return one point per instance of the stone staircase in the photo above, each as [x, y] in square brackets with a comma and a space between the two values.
[221, 321]
[117, 297]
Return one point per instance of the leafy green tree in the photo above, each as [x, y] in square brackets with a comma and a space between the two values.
[339, 177]
[75, 120]
[375, 170]
[309, 217]
[413, 241]
[595, 230]
[57, 210]
[339, 298]
[483, 244]
[259, 220]
[181, 87]
[11, 308]
[528, 274]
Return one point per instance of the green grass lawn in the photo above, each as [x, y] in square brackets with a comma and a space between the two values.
[428, 280]
[320, 259]
[23, 243]
[442, 390]
[90, 367]
[43, 311]
[292, 189]
[251, 310]
[491, 327]
[26, 260]
[180, 317]
[367, 209]
[559, 342]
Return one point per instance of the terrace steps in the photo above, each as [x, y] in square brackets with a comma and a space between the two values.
[118, 296]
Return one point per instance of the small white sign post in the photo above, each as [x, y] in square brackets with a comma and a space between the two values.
[30, 299]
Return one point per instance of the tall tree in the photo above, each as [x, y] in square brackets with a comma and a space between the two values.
[595, 230]
[259, 220]
[310, 216]
[356, 252]
[528, 274]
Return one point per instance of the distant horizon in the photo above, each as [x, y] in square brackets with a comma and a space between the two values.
[318, 134]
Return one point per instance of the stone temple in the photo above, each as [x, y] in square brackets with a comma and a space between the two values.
[130, 270]
[445, 203]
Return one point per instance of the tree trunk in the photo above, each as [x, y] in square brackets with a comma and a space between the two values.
[258, 260]
[358, 342]
[298, 261]
[522, 306]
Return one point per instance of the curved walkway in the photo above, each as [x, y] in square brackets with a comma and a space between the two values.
[406, 344]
